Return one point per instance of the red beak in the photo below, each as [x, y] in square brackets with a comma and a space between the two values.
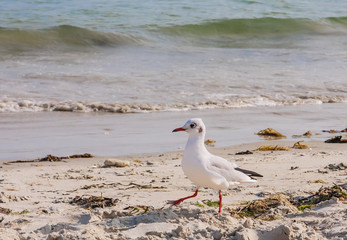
[178, 130]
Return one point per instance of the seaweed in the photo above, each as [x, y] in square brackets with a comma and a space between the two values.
[210, 142]
[94, 202]
[323, 194]
[303, 207]
[51, 158]
[116, 163]
[272, 148]
[336, 167]
[277, 205]
[270, 133]
[244, 152]
[263, 208]
[306, 134]
[126, 186]
[211, 203]
[317, 181]
[335, 131]
[336, 139]
[5, 210]
[300, 145]
[138, 210]
[199, 205]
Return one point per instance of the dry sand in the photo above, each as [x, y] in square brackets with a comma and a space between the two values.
[35, 197]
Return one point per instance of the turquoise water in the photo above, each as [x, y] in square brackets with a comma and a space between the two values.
[123, 56]
[168, 57]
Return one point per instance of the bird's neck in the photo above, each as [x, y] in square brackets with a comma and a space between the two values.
[196, 142]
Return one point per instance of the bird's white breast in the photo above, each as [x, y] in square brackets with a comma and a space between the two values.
[195, 167]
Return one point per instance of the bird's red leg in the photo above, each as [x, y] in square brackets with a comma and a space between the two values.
[220, 202]
[182, 199]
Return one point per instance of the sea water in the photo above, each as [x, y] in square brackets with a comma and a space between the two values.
[83, 63]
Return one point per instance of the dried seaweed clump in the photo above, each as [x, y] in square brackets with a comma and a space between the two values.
[270, 133]
[268, 209]
[272, 148]
[300, 145]
[244, 152]
[116, 163]
[336, 167]
[210, 142]
[94, 202]
[323, 194]
[306, 134]
[337, 139]
[138, 210]
[335, 131]
[51, 158]
[5, 210]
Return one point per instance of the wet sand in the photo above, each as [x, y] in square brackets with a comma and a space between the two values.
[31, 135]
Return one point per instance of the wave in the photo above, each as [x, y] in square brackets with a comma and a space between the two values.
[60, 36]
[219, 32]
[257, 101]
[258, 32]
[260, 27]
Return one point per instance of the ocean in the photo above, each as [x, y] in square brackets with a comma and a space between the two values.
[97, 75]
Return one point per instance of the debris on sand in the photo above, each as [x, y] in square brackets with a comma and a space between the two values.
[94, 202]
[116, 163]
[334, 130]
[272, 148]
[210, 142]
[270, 133]
[51, 158]
[306, 134]
[336, 167]
[317, 181]
[122, 186]
[211, 203]
[244, 152]
[323, 194]
[271, 208]
[300, 145]
[336, 139]
[5, 210]
[138, 210]
[276, 206]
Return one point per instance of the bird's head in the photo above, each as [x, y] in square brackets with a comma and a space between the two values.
[193, 126]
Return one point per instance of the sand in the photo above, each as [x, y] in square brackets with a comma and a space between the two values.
[38, 199]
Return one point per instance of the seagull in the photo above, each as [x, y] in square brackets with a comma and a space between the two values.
[205, 169]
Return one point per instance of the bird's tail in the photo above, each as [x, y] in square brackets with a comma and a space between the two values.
[249, 173]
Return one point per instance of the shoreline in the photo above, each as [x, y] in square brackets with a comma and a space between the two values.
[40, 199]
[33, 135]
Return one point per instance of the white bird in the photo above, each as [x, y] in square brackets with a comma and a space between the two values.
[205, 169]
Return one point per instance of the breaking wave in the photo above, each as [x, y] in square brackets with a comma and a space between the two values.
[60, 36]
[258, 101]
[257, 32]
[222, 33]
[260, 27]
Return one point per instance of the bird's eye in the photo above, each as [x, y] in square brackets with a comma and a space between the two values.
[193, 125]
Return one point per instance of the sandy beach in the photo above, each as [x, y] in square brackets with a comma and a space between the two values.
[84, 198]
[91, 91]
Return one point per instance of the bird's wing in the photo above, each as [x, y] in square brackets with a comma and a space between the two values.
[227, 169]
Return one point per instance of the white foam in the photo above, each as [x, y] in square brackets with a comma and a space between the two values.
[29, 105]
